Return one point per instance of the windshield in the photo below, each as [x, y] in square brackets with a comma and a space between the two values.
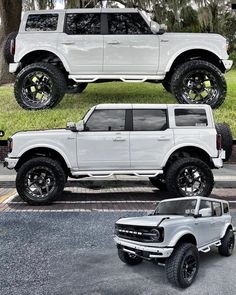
[181, 207]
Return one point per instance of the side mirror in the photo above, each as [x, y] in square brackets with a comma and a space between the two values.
[205, 212]
[2, 133]
[80, 126]
[155, 27]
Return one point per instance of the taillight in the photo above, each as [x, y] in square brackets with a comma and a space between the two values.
[218, 142]
[13, 47]
[10, 145]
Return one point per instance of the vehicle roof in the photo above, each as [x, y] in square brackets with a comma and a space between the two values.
[145, 106]
[85, 10]
[194, 198]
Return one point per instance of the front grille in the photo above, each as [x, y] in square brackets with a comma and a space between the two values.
[138, 233]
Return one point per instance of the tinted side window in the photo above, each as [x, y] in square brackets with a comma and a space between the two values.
[83, 24]
[190, 117]
[42, 22]
[225, 208]
[217, 210]
[127, 23]
[206, 206]
[106, 120]
[149, 120]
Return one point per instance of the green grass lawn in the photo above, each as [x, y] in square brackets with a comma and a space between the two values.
[73, 107]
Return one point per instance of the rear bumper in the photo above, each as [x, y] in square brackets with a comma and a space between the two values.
[13, 67]
[227, 63]
[10, 163]
[143, 251]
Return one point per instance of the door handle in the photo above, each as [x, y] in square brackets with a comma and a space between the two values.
[163, 138]
[113, 42]
[68, 43]
[119, 139]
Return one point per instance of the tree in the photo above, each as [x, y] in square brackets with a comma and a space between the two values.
[10, 15]
[81, 3]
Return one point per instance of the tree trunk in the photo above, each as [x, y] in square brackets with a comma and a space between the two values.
[10, 14]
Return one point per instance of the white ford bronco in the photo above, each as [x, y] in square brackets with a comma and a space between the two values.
[175, 145]
[62, 51]
[174, 234]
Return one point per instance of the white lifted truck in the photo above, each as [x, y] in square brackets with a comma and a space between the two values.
[175, 145]
[174, 234]
[58, 51]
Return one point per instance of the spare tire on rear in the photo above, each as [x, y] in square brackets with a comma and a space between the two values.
[226, 139]
[9, 57]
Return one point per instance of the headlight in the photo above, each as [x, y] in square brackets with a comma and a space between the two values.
[156, 235]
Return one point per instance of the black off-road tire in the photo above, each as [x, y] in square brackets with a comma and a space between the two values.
[226, 139]
[129, 259]
[56, 78]
[9, 58]
[173, 174]
[21, 180]
[159, 182]
[74, 88]
[175, 264]
[203, 67]
[227, 244]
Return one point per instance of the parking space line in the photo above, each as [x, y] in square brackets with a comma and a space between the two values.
[9, 198]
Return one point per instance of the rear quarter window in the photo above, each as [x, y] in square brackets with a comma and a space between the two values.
[191, 117]
[42, 22]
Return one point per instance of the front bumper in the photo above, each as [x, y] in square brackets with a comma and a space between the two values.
[143, 251]
[227, 63]
[10, 163]
[218, 162]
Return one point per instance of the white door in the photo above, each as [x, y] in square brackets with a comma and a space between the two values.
[82, 43]
[217, 222]
[104, 145]
[130, 47]
[150, 139]
[206, 233]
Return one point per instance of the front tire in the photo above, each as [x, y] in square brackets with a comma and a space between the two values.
[128, 258]
[40, 181]
[199, 82]
[39, 86]
[189, 177]
[183, 264]
[227, 244]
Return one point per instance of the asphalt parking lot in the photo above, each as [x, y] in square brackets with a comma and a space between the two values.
[67, 247]
[73, 253]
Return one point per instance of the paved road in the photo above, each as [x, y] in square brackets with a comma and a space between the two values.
[73, 253]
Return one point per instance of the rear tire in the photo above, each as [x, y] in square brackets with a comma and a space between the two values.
[9, 58]
[39, 86]
[182, 266]
[227, 244]
[188, 177]
[199, 82]
[129, 259]
[166, 84]
[40, 181]
[226, 139]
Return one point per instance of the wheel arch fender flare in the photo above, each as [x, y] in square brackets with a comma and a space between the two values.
[46, 50]
[179, 236]
[185, 51]
[179, 147]
[227, 226]
[46, 147]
